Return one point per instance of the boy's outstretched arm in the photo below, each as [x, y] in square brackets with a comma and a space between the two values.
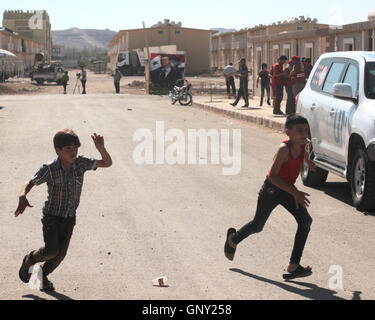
[106, 161]
[23, 203]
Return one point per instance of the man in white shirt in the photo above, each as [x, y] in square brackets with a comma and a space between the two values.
[83, 79]
[228, 72]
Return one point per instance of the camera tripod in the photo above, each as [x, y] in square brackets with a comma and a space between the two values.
[77, 85]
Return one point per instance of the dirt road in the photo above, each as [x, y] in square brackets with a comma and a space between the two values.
[138, 222]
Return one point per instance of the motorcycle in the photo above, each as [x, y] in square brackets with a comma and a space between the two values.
[181, 92]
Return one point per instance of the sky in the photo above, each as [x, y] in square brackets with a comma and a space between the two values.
[201, 14]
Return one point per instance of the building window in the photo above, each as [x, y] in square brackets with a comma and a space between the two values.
[371, 41]
[287, 50]
[309, 51]
[259, 59]
[349, 44]
[299, 28]
[177, 31]
[160, 31]
[276, 52]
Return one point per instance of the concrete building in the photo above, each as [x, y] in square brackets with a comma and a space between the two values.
[22, 47]
[34, 25]
[195, 42]
[299, 36]
[57, 52]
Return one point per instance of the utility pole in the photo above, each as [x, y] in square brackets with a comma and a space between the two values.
[147, 61]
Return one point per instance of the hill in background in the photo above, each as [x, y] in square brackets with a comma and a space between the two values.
[222, 30]
[83, 38]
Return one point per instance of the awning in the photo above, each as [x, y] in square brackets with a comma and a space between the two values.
[5, 53]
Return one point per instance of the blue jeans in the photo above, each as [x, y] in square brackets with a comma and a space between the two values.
[269, 198]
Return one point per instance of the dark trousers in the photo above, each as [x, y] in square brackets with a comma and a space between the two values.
[64, 85]
[279, 95]
[291, 101]
[230, 84]
[83, 86]
[57, 233]
[243, 92]
[269, 198]
[117, 86]
[263, 91]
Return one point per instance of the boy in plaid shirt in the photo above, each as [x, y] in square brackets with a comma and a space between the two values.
[64, 178]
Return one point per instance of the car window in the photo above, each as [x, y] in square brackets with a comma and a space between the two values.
[370, 80]
[351, 78]
[320, 74]
[333, 76]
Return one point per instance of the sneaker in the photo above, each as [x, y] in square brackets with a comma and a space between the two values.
[233, 104]
[278, 113]
[47, 285]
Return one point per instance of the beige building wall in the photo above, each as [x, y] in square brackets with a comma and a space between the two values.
[19, 21]
[23, 48]
[307, 39]
[195, 42]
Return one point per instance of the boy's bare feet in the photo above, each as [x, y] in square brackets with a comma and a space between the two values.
[293, 267]
[297, 271]
[230, 246]
[231, 243]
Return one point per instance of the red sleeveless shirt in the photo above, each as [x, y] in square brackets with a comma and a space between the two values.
[290, 171]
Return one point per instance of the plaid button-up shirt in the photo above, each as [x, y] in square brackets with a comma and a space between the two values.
[64, 187]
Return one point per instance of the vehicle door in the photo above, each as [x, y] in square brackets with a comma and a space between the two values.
[340, 113]
[324, 102]
[313, 105]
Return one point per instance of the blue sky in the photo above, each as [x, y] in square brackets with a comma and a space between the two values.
[201, 14]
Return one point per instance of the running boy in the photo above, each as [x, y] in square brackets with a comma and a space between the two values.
[64, 178]
[279, 189]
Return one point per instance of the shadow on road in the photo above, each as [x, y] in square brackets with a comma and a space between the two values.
[311, 291]
[56, 295]
[1, 107]
[33, 297]
[46, 84]
[341, 191]
[338, 190]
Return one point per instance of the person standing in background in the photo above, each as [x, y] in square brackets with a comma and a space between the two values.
[117, 78]
[83, 79]
[229, 72]
[264, 76]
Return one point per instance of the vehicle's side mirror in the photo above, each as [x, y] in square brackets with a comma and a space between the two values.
[343, 91]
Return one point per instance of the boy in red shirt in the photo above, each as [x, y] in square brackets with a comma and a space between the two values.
[279, 189]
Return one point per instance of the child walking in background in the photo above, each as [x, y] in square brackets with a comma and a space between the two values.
[265, 81]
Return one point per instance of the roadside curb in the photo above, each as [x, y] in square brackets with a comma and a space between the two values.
[258, 120]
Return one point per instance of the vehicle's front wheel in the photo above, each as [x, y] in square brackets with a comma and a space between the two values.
[186, 99]
[40, 81]
[313, 179]
[362, 181]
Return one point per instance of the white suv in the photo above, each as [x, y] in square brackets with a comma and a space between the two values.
[339, 103]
